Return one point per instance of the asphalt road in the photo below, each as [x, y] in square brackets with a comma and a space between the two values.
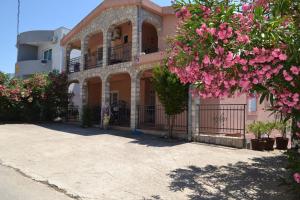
[14, 186]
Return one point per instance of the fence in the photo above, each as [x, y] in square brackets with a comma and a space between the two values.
[74, 65]
[224, 119]
[73, 114]
[120, 53]
[154, 118]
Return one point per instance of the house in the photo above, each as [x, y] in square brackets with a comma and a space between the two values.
[120, 43]
[39, 51]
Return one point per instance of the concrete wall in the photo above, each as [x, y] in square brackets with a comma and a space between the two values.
[27, 52]
[31, 47]
[26, 68]
[35, 37]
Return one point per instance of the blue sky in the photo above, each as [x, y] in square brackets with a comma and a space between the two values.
[39, 15]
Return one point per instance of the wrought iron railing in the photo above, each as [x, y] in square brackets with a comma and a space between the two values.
[73, 113]
[119, 54]
[73, 65]
[148, 50]
[93, 61]
[225, 119]
[154, 118]
[120, 114]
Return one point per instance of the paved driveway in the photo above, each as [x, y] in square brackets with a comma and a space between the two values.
[94, 164]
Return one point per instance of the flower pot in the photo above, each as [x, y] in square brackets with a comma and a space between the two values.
[258, 144]
[282, 143]
[269, 144]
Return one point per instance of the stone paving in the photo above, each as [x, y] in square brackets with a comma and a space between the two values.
[92, 164]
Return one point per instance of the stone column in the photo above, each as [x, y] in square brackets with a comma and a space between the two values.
[67, 56]
[82, 97]
[106, 45]
[105, 91]
[135, 39]
[194, 116]
[84, 49]
[135, 100]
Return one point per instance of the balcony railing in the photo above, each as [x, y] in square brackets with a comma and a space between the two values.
[94, 61]
[74, 65]
[119, 54]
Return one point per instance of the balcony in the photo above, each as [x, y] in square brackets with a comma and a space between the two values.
[74, 65]
[29, 67]
[94, 60]
[119, 54]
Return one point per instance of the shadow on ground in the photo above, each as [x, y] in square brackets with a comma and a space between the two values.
[259, 179]
[141, 139]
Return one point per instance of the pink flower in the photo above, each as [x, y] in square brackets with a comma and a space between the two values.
[298, 124]
[287, 76]
[212, 31]
[206, 60]
[282, 57]
[246, 7]
[295, 70]
[297, 177]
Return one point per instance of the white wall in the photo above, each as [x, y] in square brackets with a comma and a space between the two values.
[57, 50]
[75, 89]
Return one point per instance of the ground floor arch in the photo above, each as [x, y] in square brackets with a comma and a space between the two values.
[93, 95]
[119, 98]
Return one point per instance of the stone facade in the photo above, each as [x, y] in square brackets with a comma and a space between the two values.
[104, 23]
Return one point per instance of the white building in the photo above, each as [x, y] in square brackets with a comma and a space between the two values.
[39, 51]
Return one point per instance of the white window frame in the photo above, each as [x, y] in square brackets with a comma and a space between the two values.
[43, 55]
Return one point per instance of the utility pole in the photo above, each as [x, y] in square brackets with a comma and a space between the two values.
[18, 18]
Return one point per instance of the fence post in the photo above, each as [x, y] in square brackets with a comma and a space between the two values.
[244, 127]
[193, 116]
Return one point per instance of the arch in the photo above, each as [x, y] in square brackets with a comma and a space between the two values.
[119, 97]
[92, 92]
[93, 50]
[119, 41]
[149, 38]
[73, 56]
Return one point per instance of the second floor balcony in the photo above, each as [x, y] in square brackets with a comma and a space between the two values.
[119, 54]
[93, 60]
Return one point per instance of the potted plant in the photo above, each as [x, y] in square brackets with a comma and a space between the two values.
[256, 128]
[267, 128]
[282, 142]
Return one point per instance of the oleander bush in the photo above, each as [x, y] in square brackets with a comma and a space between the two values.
[42, 97]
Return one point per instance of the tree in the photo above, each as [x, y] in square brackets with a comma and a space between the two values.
[172, 94]
[224, 48]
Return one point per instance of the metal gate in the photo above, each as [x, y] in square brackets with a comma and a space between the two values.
[154, 118]
[223, 119]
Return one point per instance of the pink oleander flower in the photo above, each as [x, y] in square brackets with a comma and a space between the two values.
[295, 70]
[298, 124]
[283, 57]
[287, 76]
[246, 7]
[297, 177]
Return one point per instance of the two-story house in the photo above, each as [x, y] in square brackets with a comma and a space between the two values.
[39, 51]
[120, 43]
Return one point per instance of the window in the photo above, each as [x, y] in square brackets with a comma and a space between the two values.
[125, 39]
[114, 97]
[252, 103]
[48, 54]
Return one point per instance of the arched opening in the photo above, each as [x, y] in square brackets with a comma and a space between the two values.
[74, 102]
[94, 53]
[94, 97]
[73, 59]
[120, 99]
[120, 45]
[147, 107]
[149, 38]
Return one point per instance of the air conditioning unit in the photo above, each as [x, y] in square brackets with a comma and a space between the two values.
[54, 39]
[116, 34]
